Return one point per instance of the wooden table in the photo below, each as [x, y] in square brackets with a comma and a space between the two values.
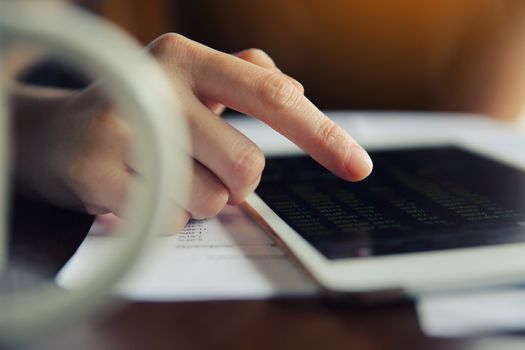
[48, 236]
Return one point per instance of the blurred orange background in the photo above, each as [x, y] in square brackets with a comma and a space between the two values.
[461, 55]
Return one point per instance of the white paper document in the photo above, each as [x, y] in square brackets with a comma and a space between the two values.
[228, 257]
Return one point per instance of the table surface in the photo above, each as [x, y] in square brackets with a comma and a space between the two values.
[48, 236]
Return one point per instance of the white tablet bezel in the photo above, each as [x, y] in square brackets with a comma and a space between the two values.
[409, 274]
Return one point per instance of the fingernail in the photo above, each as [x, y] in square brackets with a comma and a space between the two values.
[359, 165]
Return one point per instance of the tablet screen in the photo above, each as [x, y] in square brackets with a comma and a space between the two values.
[416, 200]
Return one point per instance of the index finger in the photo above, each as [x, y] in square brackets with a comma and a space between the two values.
[274, 99]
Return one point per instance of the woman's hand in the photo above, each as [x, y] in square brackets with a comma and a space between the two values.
[88, 142]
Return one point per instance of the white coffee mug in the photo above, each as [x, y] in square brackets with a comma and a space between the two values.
[141, 92]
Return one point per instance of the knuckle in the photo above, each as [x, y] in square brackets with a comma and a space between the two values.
[167, 43]
[175, 50]
[212, 203]
[277, 91]
[254, 55]
[238, 197]
[247, 166]
[328, 134]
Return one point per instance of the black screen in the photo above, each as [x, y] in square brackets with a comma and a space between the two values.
[416, 200]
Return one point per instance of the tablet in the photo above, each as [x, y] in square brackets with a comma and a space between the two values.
[429, 218]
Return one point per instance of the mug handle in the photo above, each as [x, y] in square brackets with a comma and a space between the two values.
[143, 93]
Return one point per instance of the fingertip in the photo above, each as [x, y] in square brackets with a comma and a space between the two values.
[177, 222]
[359, 164]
